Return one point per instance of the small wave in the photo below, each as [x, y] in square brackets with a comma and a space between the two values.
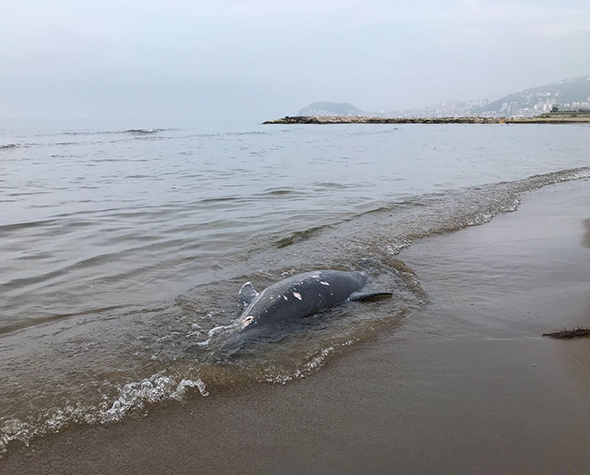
[142, 131]
[315, 363]
[278, 192]
[398, 224]
[136, 395]
[221, 199]
[331, 186]
[300, 236]
[111, 132]
[224, 134]
[377, 132]
[6, 229]
[7, 146]
[22, 324]
[130, 397]
[475, 206]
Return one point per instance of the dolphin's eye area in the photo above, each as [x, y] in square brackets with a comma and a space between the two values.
[248, 320]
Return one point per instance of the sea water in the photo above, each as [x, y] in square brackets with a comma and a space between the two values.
[123, 246]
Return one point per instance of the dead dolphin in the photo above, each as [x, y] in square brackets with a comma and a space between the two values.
[300, 296]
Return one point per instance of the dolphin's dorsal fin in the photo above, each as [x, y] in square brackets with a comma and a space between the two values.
[368, 295]
[247, 293]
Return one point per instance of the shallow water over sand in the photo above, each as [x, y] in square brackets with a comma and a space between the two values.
[466, 385]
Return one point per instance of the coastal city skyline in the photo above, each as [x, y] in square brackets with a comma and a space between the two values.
[568, 95]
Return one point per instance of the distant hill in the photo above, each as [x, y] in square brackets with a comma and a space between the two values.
[566, 94]
[322, 109]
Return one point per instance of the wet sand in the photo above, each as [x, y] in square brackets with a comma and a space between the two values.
[468, 385]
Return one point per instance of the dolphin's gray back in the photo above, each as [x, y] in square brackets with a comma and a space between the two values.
[300, 296]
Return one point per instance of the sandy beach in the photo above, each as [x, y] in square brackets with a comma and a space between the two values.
[467, 385]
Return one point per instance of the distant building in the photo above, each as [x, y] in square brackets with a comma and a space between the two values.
[512, 108]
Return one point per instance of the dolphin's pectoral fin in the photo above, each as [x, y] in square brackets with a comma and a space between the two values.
[247, 293]
[355, 296]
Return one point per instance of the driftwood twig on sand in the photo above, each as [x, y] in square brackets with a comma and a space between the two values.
[574, 333]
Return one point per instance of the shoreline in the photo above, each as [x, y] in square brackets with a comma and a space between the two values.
[558, 119]
[466, 385]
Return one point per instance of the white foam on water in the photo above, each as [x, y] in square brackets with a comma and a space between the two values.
[313, 365]
[131, 397]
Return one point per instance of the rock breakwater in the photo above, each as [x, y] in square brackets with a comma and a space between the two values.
[561, 119]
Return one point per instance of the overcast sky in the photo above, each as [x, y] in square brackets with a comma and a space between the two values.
[268, 58]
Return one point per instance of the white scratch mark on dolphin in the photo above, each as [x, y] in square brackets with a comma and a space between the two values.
[297, 295]
[324, 283]
[285, 297]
